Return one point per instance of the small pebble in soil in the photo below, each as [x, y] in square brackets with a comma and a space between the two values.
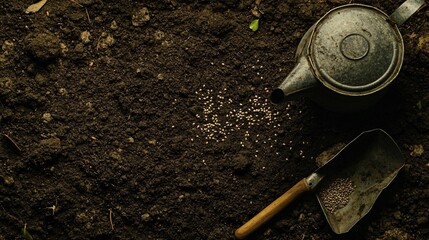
[416, 150]
[81, 217]
[6, 83]
[7, 47]
[79, 48]
[8, 180]
[64, 49]
[158, 35]
[47, 117]
[145, 217]
[160, 76]
[62, 91]
[116, 154]
[40, 79]
[114, 25]
[106, 40]
[141, 17]
[301, 217]
[85, 36]
[335, 195]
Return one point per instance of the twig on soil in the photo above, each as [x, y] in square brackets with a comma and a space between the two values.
[13, 142]
[73, 1]
[87, 15]
[86, 10]
[98, 43]
[110, 218]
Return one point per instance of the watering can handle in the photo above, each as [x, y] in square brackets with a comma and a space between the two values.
[275, 207]
[406, 10]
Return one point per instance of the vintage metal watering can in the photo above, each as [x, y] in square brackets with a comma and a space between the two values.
[348, 57]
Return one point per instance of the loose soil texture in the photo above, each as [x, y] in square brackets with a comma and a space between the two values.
[151, 120]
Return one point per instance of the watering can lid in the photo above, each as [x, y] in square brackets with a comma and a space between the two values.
[356, 49]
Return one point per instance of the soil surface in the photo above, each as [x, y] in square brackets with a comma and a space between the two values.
[151, 120]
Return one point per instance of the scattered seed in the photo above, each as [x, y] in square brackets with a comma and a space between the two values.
[217, 123]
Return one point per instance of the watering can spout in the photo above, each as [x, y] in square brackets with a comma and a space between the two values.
[296, 84]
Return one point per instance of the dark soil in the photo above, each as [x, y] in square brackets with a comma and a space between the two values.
[159, 127]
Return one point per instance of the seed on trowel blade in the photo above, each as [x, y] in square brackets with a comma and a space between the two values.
[336, 194]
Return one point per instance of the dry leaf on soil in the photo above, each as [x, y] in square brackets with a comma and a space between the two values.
[35, 7]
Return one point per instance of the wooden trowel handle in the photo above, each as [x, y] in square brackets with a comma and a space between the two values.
[268, 212]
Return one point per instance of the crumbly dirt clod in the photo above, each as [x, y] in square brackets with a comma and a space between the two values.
[141, 17]
[42, 45]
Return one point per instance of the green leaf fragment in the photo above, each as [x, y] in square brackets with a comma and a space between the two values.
[254, 25]
[419, 105]
[25, 234]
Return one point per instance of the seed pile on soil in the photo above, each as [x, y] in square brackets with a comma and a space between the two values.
[336, 194]
[222, 116]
